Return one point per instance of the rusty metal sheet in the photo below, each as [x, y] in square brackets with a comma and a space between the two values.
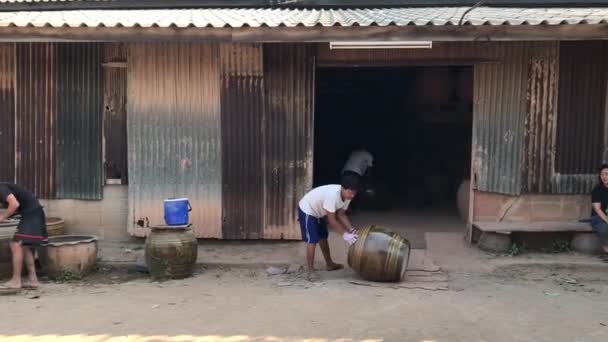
[7, 112]
[499, 112]
[36, 118]
[541, 120]
[242, 117]
[174, 134]
[573, 184]
[115, 111]
[79, 121]
[581, 110]
[289, 76]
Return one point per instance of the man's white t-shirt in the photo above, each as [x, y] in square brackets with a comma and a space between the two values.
[358, 162]
[324, 198]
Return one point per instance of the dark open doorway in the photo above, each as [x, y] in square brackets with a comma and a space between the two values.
[416, 122]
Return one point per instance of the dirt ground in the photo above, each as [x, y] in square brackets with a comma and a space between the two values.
[232, 298]
[513, 303]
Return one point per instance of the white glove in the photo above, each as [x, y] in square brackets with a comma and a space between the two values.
[350, 237]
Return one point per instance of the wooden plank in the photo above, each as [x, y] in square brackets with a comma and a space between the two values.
[305, 34]
[557, 226]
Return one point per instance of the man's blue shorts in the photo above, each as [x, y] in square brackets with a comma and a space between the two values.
[313, 229]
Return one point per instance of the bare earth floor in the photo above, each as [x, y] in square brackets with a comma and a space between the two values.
[489, 298]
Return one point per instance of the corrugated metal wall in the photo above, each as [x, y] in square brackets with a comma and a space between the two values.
[513, 105]
[541, 119]
[115, 111]
[79, 121]
[242, 106]
[582, 101]
[499, 113]
[7, 112]
[573, 184]
[267, 96]
[289, 72]
[36, 106]
[174, 132]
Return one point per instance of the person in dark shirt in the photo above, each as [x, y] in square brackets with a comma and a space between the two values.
[31, 232]
[599, 211]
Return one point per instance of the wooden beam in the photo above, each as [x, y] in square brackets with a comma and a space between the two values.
[306, 34]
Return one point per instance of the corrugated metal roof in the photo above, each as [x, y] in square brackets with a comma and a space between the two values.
[282, 17]
[59, 4]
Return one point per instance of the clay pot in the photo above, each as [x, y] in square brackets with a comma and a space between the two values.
[55, 226]
[8, 229]
[69, 256]
[587, 243]
[171, 252]
[462, 199]
[494, 242]
[379, 255]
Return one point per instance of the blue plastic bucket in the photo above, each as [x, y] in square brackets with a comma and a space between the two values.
[176, 211]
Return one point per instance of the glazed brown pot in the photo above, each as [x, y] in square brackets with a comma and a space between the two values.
[55, 226]
[171, 252]
[379, 255]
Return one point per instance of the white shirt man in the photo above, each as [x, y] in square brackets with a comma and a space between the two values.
[331, 202]
[358, 162]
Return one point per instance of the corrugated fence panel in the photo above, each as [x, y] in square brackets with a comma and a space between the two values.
[242, 108]
[7, 112]
[115, 111]
[582, 95]
[36, 108]
[541, 117]
[79, 121]
[174, 134]
[499, 112]
[581, 114]
[573, 184]
[289, 75]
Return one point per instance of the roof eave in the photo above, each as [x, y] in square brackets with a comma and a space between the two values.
[177, 4]
[315, 34]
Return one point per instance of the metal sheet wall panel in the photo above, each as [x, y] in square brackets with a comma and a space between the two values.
[289, 76]
[582, 100]
[242, 107]
[573, 184]
[173, 125]
[499, 113]
[7, 112]
[115, 111]
[541, 117]
[36, 108]
[79, 121]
